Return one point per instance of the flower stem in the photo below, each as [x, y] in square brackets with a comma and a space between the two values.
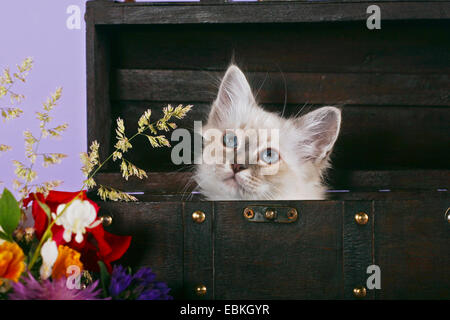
[116, 149]
[47, 232]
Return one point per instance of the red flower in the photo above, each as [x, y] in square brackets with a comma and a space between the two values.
[97, 244]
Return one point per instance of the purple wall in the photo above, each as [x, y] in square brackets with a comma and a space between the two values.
[38, 29]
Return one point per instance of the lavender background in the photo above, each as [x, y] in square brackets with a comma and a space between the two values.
[38, 29]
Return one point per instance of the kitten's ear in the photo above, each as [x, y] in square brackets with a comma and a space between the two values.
[318, 132]
[234, 92]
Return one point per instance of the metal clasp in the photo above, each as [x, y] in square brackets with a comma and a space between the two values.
[275, 214]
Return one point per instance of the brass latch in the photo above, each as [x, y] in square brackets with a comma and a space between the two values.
[270, 214]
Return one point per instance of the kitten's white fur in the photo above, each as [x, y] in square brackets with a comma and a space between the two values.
[305, 146]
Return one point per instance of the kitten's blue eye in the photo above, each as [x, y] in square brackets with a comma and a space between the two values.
[270, 156]
[230, 140]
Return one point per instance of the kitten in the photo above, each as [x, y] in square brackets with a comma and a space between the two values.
[300, 158]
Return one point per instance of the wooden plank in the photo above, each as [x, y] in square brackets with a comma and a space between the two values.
[357, 247]
[198, 250]
[349, 88]
[411, 241]
[157, 182]
[383, 194]
[215, 1]
[268, 12]
[401, 47]
[98, 98]
[411, 247]
[157, 231]
[338, 195]
[394, 179]
[300, 260]
[178, 182]
[393, 138]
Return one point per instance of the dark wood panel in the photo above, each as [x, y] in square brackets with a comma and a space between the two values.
[198, 250]
[107, 13]
[404, 68]
[157, 182]
[389, 195]
[402, 47]
[300, 260]
[321, 256]
[98, 77]
[371, 138]
[357, 247]
[215, 1]
[338, 195]
[416, 181]
[389, 138]
[393, 179]
[334, 88]
[412, 240]
[157, 231]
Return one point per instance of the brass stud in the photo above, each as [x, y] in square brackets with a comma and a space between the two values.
[198, 216]
[270, 214]
[248, 213]
[106, 220]
[447, 215]
[292, 214]
[359, 292]
[361, 218]
[200, 290]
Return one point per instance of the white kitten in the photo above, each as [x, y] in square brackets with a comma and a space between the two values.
[301, 157]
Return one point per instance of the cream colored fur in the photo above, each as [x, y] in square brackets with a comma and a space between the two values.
[305, 144]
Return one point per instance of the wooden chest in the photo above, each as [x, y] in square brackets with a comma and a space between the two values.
[391, 173]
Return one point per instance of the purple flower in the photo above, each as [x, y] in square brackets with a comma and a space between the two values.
[145, 276]
[140, 286]
[120, 281]
[31, 289]
[159, 291]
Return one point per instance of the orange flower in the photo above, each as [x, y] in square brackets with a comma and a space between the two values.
[11, 261]
[66, 257]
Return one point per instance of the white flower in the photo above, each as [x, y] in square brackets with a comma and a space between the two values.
[49, 253]
[78, 216]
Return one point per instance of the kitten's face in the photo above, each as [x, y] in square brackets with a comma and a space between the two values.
[262, 155]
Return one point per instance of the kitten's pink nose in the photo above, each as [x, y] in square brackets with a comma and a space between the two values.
[237, 167]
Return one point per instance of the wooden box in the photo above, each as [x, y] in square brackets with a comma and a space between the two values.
[391, 162]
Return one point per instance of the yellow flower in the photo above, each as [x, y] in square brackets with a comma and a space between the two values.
[11, 261]
[66, 257]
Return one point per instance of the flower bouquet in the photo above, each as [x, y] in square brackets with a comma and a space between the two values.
[52, 243]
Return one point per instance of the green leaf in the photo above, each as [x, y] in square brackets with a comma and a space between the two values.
[4, 236]
[104, 278]
[46, 210]
[9, 213]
